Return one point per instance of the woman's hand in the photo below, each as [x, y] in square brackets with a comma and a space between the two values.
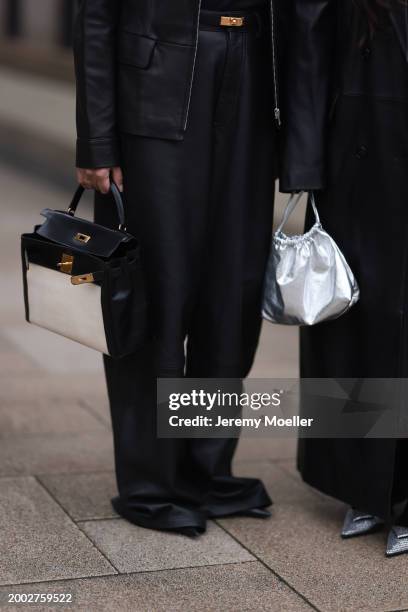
[100, 178]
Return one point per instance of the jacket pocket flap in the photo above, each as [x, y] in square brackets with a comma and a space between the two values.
[135, 50]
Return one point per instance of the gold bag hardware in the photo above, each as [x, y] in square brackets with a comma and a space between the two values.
[84, 238]
[66, 263]
[81, 279]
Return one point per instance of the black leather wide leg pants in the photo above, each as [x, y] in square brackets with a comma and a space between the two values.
[202, 210]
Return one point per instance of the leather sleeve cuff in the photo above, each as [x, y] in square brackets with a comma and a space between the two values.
[97, 153]
[302, 179]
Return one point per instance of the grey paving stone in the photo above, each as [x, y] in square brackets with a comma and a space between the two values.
[11, 303]
[134, 549]
[43, 454]
[38, 541]
[277, 355]
[83, 496]
[45, 416]
[282, 487]
[41, 385]
[99, 406]
[301, 543]
[258, 449]
[5, 345]
[289, 466]
[223, 588]
[12, 362]
[52, 352]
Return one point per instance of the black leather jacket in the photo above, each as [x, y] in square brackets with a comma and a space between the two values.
[325, 62]
[134, 63]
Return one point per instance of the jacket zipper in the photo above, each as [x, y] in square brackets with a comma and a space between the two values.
[276, 111]
[194, 64]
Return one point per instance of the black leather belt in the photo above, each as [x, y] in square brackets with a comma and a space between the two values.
[233, 20]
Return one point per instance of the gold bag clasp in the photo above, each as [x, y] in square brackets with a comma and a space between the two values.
[66, 263]
[84, 238]
[81, 279]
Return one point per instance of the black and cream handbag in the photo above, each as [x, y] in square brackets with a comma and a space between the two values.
[84, 281]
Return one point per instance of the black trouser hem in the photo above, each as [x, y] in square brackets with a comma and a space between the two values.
[173, 520]
[220, 511]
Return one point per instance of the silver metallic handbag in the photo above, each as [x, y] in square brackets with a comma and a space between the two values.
[308, 279]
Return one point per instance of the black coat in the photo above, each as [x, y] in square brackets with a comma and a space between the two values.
[347, 132]
[135, 63]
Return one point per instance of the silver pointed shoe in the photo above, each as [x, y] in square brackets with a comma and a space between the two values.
[359, 523]
[397, 543]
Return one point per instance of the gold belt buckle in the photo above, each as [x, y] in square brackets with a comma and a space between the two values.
[236, 22]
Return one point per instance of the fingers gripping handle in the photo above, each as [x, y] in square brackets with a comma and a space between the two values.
[117, 199]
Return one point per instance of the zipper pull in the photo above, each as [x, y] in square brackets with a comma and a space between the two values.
[277, 111]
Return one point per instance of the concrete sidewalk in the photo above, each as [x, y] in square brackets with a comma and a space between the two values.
[58, 533]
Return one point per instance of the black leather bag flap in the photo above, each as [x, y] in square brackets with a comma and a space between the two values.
[135, 50]
[80, 234]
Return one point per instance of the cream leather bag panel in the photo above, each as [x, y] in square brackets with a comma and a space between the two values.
[71, 311]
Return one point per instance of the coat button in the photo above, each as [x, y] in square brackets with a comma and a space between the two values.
[361, 152]
[366, 52]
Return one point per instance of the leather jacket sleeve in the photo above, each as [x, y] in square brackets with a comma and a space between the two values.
[310, 67]
[95, 68]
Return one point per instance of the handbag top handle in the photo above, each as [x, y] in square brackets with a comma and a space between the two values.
[291, 205]
[117, 199]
